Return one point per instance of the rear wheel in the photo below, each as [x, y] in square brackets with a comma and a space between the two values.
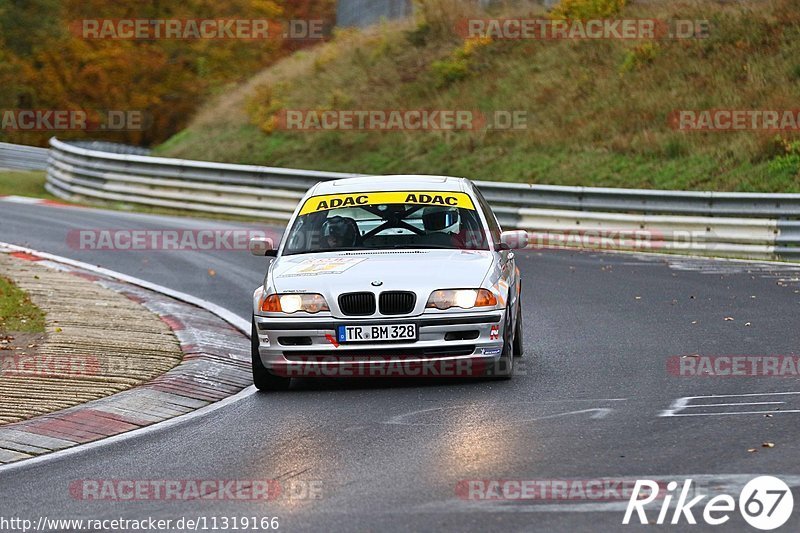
[263, 379]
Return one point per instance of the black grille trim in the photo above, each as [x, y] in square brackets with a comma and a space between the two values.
[396, 302]
[294, 341]
[357, 303]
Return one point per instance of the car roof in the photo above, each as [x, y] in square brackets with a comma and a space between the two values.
[400, 182]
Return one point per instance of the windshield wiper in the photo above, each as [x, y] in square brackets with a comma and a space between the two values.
[322, 251]
[377, 248]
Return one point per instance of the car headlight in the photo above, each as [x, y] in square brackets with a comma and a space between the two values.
[291, 303]
[465, 298]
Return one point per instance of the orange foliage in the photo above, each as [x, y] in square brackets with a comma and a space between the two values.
[45, 62]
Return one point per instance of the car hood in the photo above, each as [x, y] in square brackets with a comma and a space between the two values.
[421, 271]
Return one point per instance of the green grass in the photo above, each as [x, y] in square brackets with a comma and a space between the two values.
[597, 110]
[23, 183]
[17, 312]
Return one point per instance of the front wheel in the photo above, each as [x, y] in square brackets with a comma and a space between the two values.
[263, 379]
[503, 368]
[518, 331]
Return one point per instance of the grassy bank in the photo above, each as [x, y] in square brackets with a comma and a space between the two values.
[23, 183]
[597, 111]
[17, 312]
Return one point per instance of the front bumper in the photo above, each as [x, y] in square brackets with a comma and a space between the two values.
[457, 344]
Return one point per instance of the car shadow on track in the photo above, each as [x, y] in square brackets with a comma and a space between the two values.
[324, 384]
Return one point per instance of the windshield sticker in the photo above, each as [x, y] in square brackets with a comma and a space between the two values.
[334, 201]
[326, 265]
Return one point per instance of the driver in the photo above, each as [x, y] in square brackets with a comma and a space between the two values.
[339, 232]
[440, 219]
[444, 224]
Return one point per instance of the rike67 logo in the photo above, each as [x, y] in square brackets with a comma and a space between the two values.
[765, 503]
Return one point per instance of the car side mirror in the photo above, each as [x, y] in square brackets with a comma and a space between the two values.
[514, 240]
[261, 246]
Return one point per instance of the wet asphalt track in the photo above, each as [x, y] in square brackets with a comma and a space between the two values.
[389, 454]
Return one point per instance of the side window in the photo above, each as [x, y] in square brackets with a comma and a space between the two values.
[494, 227]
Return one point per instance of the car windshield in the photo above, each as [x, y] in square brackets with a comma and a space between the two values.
[386, 220]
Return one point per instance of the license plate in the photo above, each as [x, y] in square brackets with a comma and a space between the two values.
[377, 333]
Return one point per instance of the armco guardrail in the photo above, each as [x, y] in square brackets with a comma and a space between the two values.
[762, 226]
[247, 190]
[21, 157]
[114, 148]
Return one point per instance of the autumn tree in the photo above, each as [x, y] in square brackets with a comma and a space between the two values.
[47, 63]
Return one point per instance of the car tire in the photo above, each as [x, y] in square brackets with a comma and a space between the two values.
[518, 344]
[263, 379]
[504, 367]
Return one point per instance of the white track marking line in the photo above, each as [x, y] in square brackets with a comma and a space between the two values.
[600, 412]
[583, 400]
[667, 255]
[21, 200]
[401, 420]
[681, 404]
[738, 413]
[746, 394]
[233, 319]
[731, 404]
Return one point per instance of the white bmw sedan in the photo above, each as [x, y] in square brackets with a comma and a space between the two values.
[388, 276]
